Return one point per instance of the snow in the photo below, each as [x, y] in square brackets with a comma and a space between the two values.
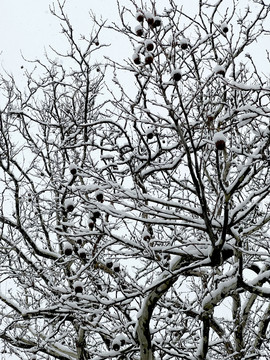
[219, 69]
[138, 28]
[148, 16]
[223, 290]
[219, 136]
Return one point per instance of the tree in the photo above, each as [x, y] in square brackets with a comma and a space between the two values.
[140, 227]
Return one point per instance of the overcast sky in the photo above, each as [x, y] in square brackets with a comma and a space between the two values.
[28, 27]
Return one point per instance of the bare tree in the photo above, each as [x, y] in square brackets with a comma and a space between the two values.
[140, 229]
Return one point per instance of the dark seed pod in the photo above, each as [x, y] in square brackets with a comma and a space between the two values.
[184, 44]
[78, 287]
[157, 22]
[116, 267]
[116, 346]
[219, 140]
[139, 30]
[176, 75]
[139, 16]
[82, 253]
[220, 145]
[224, 28]
[69, 205]
[149, 18]
[109, 263]
[73, 169]
[149, 58]
[67, 249]
[96, 214]
[220, 70]
[79, 241]
[149, 45]
[146, 236]
[99, 196]
[136, 59]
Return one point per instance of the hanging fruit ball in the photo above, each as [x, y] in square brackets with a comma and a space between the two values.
[79, 241]
[146, 236]
[148, 58]
[116, 267]
[224, 27]
[184, 43]
[149, 133]
[136, 58]
[149, 45]
[78, 287]
[96, 214]
[219, 70]
[176, 75]
[157, 22]
[67, 248]
[69, 205]
[82, 253]
[116, 344]
[73, 169]
[99, 196]
[139, 30]
[109, 263]
[139, 16]
[219, 139]
[149, 18]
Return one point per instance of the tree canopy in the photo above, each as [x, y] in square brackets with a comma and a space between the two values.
[135, 195]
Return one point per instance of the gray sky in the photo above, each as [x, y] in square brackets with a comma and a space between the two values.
[28, 27]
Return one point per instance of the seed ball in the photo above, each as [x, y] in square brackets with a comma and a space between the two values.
[219, 139]
[73, 169]
[116, 267]
[136, 59]
[67, 249]
[220, 145]
[79, 241]
[157, 22]
[99, 196]
[78, 287]
[96, 214]
[149, 45]
[82, 253]
[184, 44]
[139, 30]
[149, 132]
[149, 18]
[139, 16]
[219, 70]
[109, 263]
[91, 224]
[116, 346]
[69, 205]
[146, 236]
[176, 75]
[149, 58]
[224, 28]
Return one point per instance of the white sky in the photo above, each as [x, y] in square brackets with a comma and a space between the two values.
[28, 27]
